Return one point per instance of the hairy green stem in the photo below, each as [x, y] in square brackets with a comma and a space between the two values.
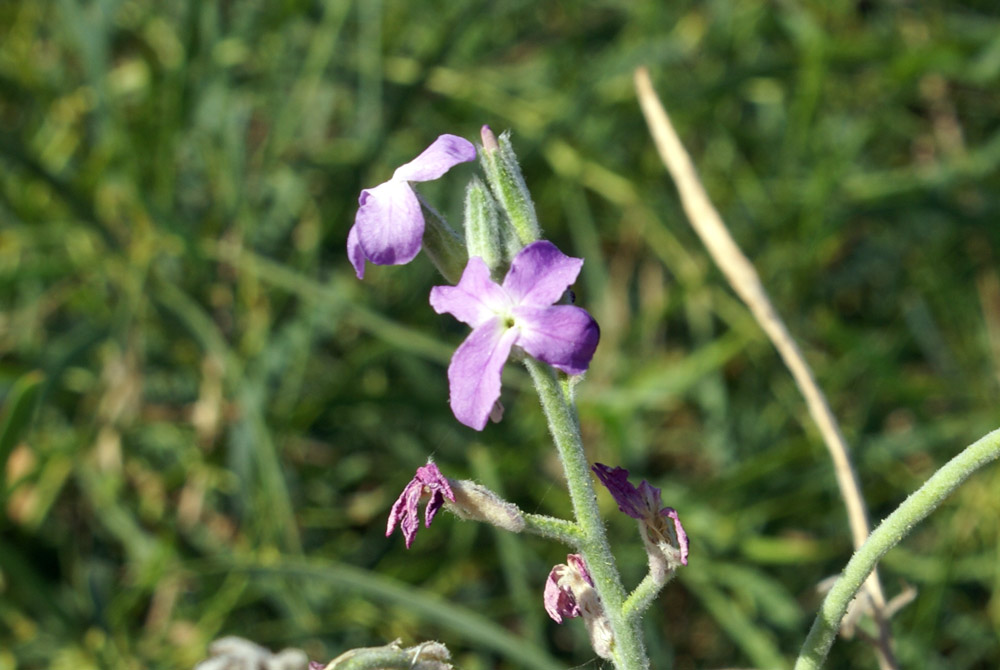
[642, 597]
[628, 652]
[894, 528]
[562, 530]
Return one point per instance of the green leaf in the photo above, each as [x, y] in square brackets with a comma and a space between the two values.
[18, 411]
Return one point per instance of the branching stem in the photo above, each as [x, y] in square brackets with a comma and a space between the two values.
[629, 652]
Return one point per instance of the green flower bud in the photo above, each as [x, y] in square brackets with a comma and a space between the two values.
[426, 656]
[475, 502]
[505, 179]
[483, 233]
[443, 245]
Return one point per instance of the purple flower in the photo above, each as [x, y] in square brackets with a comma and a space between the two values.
[404, 511]
[643, 503]
[389, 225]
[569, 592]
[520, 312]
[562, 586]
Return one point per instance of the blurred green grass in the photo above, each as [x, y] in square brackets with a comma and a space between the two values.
[210, 416]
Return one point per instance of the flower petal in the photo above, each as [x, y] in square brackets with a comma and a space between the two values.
[355, 253]
[432, 479]
[428, 479]
[651, 498]
[404, 512]
[563, 588]
[563, 336]
[446, 152]
[475, 300]
[540, 274]
[474, 372]
[682, 538]
[629, 499]
[559, 600]
[389, 224]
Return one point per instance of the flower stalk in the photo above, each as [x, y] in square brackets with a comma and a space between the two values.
[628, 651]
[889, 533]
[561, 530]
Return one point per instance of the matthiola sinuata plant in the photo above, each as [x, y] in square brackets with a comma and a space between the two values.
[511, 288]
[513, 292]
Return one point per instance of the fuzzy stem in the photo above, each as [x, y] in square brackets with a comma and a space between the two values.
[894, 528]
[642, 597]
[628, 652]
[562, 530]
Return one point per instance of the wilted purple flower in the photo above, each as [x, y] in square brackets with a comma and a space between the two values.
[389, 225]
[569, 592]
[561, 587]
[428, 479]
[520, 312]
[643, 503]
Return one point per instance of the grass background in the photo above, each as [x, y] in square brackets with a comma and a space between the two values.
[206, 416]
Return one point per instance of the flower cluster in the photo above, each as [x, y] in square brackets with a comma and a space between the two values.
[527, 313]
[521, 312]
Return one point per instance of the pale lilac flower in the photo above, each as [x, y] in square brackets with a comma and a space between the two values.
[643, 503]
[428, 479]
[389, 225]
[520, 312]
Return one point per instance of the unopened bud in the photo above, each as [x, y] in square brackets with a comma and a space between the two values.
[507, 183]
[236, 653]
[475, 502]
[489, 139]
[482, 225]
[443, 245]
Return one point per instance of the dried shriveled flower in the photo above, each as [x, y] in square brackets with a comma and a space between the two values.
[665, 542]
[569, 593]
[428, 479]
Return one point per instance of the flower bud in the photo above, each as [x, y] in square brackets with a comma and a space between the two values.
[426, 656]
[483, 235]
[443, 245]
[475, 502]
[505, 179]
[237, 653]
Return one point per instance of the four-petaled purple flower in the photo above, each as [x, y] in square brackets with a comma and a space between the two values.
[389, 225]
[520, 312]
[428, 479]
[643, 503]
